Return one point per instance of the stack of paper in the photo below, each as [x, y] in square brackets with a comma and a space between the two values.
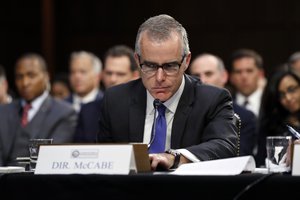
[227, 166]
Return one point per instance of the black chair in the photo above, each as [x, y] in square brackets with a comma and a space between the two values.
[238, 122]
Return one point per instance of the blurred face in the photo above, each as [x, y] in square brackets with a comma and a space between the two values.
[289, 94]
[160, 85]
[30, 79]
[116, 71]
[83, 78]
[59, 90]
[206, 68]
[245, 75]
[296, 66]
[3, 90]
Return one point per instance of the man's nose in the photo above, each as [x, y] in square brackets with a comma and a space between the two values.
[160, 74]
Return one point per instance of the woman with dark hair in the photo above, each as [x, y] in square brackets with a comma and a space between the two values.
[280, 107]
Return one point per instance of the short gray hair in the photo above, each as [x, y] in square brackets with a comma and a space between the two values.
[97, 64]
[294, 57]
[160, 28]
[220, 63]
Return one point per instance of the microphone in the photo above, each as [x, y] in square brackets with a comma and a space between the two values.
[156, 103]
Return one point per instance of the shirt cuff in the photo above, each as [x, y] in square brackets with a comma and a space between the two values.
[188, 155]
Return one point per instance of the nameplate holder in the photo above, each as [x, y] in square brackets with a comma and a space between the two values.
[296, 160]
[92, 159]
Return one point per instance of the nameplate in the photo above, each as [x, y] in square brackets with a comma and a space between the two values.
[296, 160]
[90, 159]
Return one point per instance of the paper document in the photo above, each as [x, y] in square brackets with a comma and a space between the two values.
[227, 166]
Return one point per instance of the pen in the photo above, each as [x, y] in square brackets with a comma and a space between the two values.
[295, 133]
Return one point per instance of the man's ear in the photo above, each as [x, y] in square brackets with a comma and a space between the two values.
[187, 60]
[136, 57]
[225, 77]
[136, 74]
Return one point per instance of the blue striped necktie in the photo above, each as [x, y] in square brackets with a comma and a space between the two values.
[159, 141]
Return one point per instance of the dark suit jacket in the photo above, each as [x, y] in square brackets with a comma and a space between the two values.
[203, 122]
[88, 123]
[55, 119]
[248, 130]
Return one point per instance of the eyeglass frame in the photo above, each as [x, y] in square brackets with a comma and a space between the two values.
[162, 66]
[290, 90]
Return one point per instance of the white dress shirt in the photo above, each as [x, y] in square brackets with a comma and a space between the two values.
[254, 101]
[78, 101]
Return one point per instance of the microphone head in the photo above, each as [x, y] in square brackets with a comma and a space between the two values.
[156, 103]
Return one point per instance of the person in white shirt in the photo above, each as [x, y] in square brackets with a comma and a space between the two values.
[247, 78]
[85, 77]
[36, 114]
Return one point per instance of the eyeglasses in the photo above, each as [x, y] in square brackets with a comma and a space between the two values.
[150, 68]
[289, 90]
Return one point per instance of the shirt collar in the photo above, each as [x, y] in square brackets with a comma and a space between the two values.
[37, 102]
[87, 98]
[251, 98]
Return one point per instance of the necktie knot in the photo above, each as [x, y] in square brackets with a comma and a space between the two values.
[246, 102]
[161, 109]
[27, 107]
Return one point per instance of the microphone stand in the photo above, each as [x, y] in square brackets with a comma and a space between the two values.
[156, 103]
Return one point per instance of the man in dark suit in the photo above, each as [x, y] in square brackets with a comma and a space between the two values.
[35, 115]
[119, 67]
[211, 70]
[197, 119]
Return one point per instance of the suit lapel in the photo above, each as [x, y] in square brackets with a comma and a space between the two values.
[37, 123]
[137, 113]
[182, 112]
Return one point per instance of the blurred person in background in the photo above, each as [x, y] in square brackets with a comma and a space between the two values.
[4, 95]
[35, 115]
[294, 61]
[119, 67]
[85, 77]
[247, 78]
[280, 107]
[210, 69]
[60, 86]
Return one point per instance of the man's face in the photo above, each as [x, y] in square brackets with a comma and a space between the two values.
[116, 71]
[60, 90]
[83, 78]
[160, 85]
[30, 79]
[3, 89]
[245, 75]
[206, 68]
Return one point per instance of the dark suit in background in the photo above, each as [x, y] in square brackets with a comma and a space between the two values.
[88, 122]
[203, 122]
[55, 119]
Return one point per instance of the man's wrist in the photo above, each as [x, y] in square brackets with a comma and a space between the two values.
[176, 155]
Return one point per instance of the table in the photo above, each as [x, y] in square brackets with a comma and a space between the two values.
[146, 186]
